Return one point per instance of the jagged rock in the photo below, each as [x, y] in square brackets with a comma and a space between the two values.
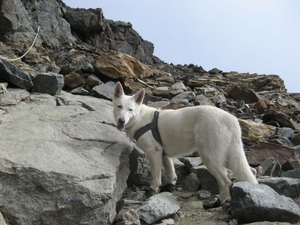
[270, 167]
[73, 80]
[191, 162]
[158, 207]
[292, 173]
[80, 91]
[254, 132]
[130, 217]
[278, 119]
[7, 99]
[191, 183]
[14, 75]
[162, 92]
[296, 139]
[2, 221]
[287, 186]
[85, 20]
[259, 152]
[207, 180]
[50, 83]
[62, 162]
[248, 96]
[117, 65]
[93, 81]
[257, 202]
[139, 169]
[178, 86]
[184, 97]
[105, 90]
[204, 194]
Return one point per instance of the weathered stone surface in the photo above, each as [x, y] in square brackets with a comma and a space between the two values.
[117, 65]
[73, 80]
[158, 207]
[286, 186]
[93, 81]
[61, 162]
[253, 202]
[270, 167]
[248, 96]
[292, 173]
[14, 75]
[105, 90]
[254, 132]
[258, 153]
[207, 180]
[50, 83]
[85, 20]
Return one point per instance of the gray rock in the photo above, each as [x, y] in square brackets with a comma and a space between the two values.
[270, 167]
[50, 83]
[191, 183]
[158, 207]
[287, 186]
[162, 92]
[178, 86]
[257, 202]
[207, 180]
[204, 194]
[62, 162]
[2, 221]
[292, 173]
[105, 90]
[191, 161]
[14, 75]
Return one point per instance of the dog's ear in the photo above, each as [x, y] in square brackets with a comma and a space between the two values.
[139, 96]
[118, 90]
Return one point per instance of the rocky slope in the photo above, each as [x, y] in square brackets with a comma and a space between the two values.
[62, 161]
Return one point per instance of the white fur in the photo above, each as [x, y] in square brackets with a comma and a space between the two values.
[214, 133]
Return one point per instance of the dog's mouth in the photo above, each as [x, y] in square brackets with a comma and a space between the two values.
[120, 126]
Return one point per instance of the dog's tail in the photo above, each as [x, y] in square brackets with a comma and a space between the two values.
[237, 162]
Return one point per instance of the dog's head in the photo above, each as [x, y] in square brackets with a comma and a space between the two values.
[126, 108]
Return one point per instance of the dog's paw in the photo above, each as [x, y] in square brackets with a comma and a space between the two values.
[168, 188]
[214, 203]
[150, 192]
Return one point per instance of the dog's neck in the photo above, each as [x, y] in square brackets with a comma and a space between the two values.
[144, 118]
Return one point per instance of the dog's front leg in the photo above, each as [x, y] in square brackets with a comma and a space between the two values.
[155, 162]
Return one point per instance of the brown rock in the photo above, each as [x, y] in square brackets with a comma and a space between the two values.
[248, 96]
[117, 65]
[74, 80]
[260, 152]
[93, 81]
[254, 132]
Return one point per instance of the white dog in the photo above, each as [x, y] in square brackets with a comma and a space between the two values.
[214, 133]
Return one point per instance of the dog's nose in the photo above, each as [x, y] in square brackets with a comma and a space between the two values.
[121, 121]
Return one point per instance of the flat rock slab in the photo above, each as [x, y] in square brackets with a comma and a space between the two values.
[61, 159]
[158, 207]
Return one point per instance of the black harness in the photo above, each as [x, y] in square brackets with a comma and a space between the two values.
[150, 126]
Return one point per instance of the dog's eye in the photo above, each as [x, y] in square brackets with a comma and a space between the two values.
[120, 106]
[130, 110]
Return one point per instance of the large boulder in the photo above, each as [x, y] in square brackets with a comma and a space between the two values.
[258, 202]
[117, 65]
[14, 75]
[62, 161]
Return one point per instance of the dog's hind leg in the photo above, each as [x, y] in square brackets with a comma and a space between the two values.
[214, 161]
[170, 174]
[169, 169]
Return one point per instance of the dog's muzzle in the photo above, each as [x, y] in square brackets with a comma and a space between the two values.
[121, 124]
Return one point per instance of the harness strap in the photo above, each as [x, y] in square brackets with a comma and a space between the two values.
[150, 126]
